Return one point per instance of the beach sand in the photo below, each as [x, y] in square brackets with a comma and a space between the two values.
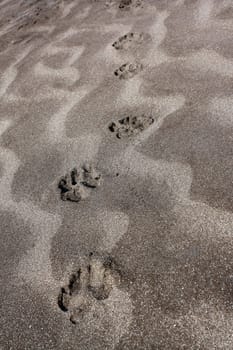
[141, 257]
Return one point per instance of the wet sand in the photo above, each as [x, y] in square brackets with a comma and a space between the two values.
[142, 90]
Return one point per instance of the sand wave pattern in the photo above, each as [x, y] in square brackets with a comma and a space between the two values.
[74, 77]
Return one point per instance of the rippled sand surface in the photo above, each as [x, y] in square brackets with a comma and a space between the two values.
[157, 233]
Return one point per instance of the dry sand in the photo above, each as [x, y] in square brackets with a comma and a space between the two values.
[160, 224]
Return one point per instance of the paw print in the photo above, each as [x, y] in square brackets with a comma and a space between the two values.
[130, 125]
[91, 283]
[129, 40]
[128, 70]
[127, 4]
[75, 186]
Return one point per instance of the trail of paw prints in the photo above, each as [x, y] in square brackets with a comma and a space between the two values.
[77, 185]
[130, 42]
[130, 125]
[128, 70]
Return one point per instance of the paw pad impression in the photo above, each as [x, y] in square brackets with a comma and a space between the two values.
[130, 125]
[90, 283]
[76, 185]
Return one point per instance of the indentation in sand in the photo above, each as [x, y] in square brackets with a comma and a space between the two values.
[78, 183]
[94, 301]
[128, 70]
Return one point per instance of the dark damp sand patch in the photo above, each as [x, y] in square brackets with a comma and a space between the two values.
[74, 186]
[130, 125]
[128, 70]
[92, 281]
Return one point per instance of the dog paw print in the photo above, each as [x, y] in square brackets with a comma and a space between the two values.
[128, 70]
[91, 283]
[76, 185]
[130, 125]
[127, 4]
[130, 40]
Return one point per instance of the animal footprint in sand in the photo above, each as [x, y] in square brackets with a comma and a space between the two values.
[127, 4]
[90, 284]
[76, 185]
[131, 125]
[130, 40]
[128, 70]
